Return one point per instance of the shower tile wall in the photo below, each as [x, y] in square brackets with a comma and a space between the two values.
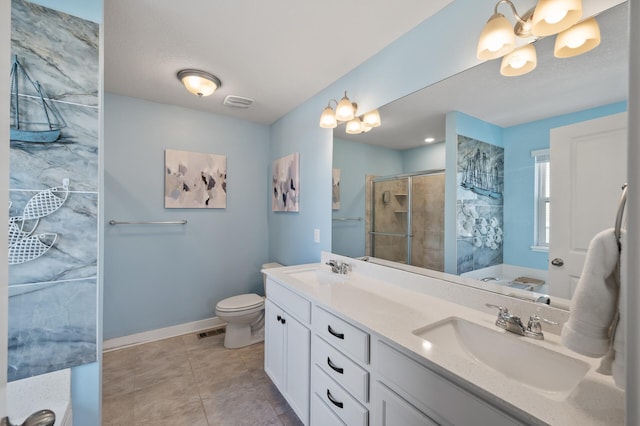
[390, 216]
[427, 221]
[53, 299]
[479, 206]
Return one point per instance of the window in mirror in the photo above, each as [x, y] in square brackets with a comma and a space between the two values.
[542, 201]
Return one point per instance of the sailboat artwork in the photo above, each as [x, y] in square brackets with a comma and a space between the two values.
[24, 246]
[40, 123]
[481, 175]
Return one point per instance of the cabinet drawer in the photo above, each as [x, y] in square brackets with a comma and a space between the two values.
[341, 334]
[337, 399]
[339, 367]
[321, 415]
[289, 301]
[432, 394]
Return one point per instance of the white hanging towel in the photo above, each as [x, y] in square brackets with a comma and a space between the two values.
[614, 362]
[594, 306]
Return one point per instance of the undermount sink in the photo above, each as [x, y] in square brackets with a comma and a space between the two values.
[552, 373]
[317, 276]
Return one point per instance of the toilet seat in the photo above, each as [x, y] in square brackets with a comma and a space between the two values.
[240, 303]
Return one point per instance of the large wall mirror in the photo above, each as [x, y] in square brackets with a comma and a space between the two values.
[389, 184]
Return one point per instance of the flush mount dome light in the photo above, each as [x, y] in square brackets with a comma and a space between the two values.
[198, 82]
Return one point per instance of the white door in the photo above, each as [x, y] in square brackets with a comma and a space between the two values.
[588, 169]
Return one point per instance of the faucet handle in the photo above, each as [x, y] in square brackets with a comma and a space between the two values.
[502, 309]
[503, 315]
[534, 328]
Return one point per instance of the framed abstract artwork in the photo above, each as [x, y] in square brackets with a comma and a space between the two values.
[195, 180]
[285, 182]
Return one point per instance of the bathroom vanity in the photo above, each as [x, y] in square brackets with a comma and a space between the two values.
[380, 346]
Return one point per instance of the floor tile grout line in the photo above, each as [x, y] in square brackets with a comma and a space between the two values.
[204, 411]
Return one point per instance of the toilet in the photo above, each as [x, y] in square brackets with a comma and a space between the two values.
[244, 315]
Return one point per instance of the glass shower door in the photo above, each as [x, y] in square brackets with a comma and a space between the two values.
[390, 238]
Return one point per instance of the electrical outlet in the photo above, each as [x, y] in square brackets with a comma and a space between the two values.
[316, 235]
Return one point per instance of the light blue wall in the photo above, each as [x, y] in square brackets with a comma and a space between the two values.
[160, 276]
[355, 161]
[417, 59]
[291, 235]
[519, 184]
[428, 157]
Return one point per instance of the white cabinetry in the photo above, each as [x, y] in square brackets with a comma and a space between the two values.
[428, 393]
[339, 375]
[390, 409]
[347, 375]
[288, 345]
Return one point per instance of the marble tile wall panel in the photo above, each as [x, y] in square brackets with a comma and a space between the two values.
[492, 155]
[483, 207]
[73, 156]
[58, 50]
[53, 299]
[74, 254]
[52, 326]
[465, 255]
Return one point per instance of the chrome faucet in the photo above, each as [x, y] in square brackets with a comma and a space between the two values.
[507, 321]
[514, 324]
[339, 267]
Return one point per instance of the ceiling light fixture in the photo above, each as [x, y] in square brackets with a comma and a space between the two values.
[578, 39]
[198, 82]
[429, 139]
[549, 17]
[346, 112]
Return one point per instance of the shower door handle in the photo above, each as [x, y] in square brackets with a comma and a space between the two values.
[557, 262]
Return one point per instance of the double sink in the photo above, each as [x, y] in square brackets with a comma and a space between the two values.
[548, 372]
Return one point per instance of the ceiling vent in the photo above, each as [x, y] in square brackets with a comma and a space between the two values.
[237, 101]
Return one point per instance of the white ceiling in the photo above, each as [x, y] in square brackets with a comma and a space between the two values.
[556, 86]
[279, 53]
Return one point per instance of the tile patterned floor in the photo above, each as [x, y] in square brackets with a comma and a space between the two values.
[192, 382]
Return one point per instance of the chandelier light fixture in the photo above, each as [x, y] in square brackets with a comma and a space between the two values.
[346, 112]
[548, 17]
[200, 83]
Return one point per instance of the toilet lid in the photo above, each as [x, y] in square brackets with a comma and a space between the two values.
[241, 302]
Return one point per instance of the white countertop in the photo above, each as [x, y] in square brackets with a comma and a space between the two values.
[368, 298]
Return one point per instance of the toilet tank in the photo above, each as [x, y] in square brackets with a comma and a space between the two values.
[264, 276]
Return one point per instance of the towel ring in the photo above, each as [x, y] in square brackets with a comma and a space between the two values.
[618, 229]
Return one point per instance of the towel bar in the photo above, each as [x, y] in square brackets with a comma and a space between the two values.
[171, 222]
[618, 229]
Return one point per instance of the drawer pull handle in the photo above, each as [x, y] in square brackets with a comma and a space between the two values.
[333, 401]
[333, 366]
[333, 333]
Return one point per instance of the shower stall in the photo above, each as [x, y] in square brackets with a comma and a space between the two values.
[405, 218]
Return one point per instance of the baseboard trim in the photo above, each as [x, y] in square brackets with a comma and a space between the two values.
[160, 333]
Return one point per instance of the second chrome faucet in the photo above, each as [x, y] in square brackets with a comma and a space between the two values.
[339, 267]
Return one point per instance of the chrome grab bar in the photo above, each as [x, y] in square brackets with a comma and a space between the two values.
[618, 229]
[337, 219]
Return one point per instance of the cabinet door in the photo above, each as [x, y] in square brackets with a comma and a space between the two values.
[390, 409]
[298, 348]
[274, 344]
